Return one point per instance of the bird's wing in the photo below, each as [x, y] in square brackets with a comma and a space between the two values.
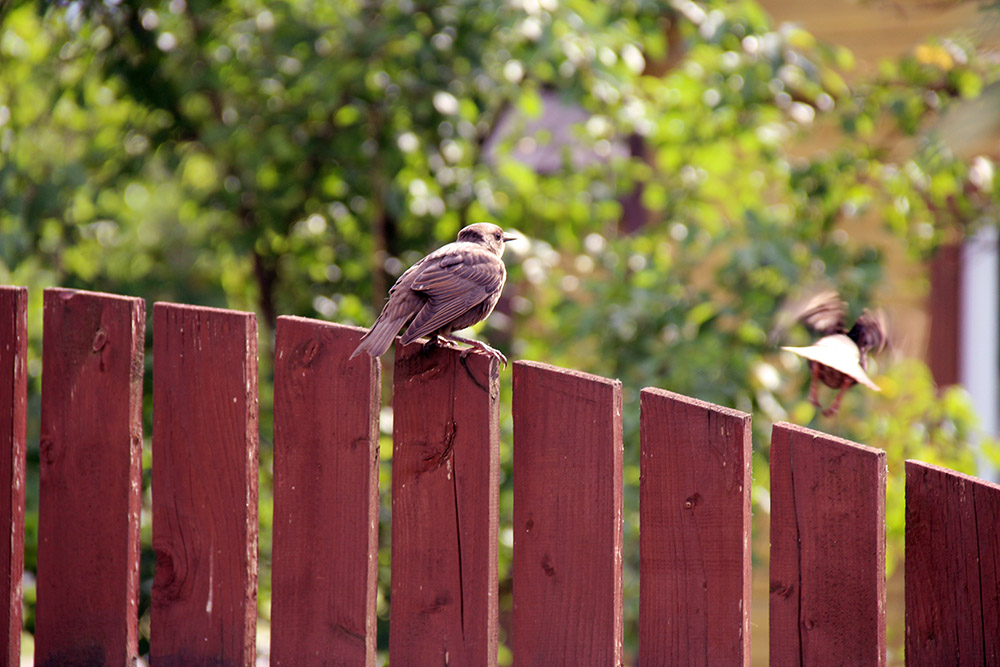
[824, 313]
[453, 282]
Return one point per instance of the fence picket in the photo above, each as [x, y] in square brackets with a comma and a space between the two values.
[694, 539]
[445, 497]
[827, 603]
[952, 565]
[326, 456]
[204, 608]
[13, 423]
[567, 565]
[90, 479]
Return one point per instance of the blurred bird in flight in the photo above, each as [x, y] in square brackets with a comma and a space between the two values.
[452, 288]
[839, 358]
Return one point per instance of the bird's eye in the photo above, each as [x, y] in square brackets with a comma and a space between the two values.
[497, 235]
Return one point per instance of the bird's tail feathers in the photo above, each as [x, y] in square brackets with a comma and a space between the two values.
[379, 338]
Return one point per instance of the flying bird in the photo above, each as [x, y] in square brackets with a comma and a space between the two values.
[839, 358]
[452, 288]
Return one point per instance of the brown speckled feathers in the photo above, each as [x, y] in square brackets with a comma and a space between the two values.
[450, 289]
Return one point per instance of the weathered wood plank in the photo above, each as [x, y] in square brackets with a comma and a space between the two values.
[204, 603]
[827, 603]
[567, 565]
[952, 568]
[445, 497]
[13, 422]
[90, 479]
[694, 539]
[326, 457]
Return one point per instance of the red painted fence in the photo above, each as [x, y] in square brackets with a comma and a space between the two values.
[694, 511]
[827, 550]
[326, 453]
[827, 599]
[90, 454]
[13, 424]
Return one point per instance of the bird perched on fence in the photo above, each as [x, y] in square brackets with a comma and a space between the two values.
[452, 288]
[839, 358]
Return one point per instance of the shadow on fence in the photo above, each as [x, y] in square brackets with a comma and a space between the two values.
[827, 599]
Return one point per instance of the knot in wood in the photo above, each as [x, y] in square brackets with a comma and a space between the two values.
[171, 574]
[781, 590]
[439, 603]
[48, 451]
[100, 339]
[547, 567]
[692, 501]
[308, 352]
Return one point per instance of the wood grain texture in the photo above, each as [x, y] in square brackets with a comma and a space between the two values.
[827, 603]
[13, 422]
[90, 479]
[567, 565]
[204, 601]
[445, 497]
[694, 539]
[326, 457]
[952, 568]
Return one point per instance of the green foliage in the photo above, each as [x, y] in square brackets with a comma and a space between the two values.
[294, 157]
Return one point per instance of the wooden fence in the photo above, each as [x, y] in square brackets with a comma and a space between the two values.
[827, 600]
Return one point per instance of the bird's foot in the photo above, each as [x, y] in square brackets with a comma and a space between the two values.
[481, 346]
[496, 354]
[832, 410]
[814, 386]
[442, 341]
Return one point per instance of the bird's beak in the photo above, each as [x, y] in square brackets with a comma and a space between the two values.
[508, 238]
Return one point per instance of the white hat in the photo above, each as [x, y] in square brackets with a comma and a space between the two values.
[839, 353]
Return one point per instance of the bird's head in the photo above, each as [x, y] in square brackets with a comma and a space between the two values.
[870, 332]
[486, 234]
